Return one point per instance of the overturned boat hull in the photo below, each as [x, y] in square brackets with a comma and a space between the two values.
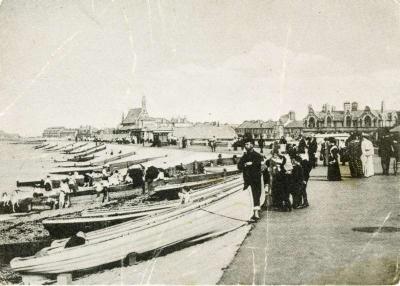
[227, 210]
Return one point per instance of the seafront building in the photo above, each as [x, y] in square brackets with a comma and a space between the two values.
[350, 119]
[138, 126]
[60, 132]
[286, 126]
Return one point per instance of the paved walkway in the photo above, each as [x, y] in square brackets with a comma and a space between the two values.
[318, 245]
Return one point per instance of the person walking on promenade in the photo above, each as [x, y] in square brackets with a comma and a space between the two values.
[214, 144]
[297, 181]
[367, 157]
[326, 146]
[261, 144]
[333, 164]
[301, 149]
[250, 165]
[355, 153]
[396, 153]
[307, 167]
[312, 150]
[385, 151]
[279, 181]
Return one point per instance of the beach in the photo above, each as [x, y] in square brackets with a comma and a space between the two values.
[348, 235]
[26, 229]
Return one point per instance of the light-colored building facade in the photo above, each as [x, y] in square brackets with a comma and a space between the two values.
[350, 119]
[286, 125]
[257, 129]
[59, 132]
[139, 126]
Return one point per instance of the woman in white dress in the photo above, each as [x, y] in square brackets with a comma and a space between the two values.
[367, 157]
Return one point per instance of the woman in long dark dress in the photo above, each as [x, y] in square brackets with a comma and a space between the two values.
[333, 162]
[355, 153]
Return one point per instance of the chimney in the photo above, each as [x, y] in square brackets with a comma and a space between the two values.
[324, 108]
[333, 108]
[382, 106]
[354, 106]
[346, 106]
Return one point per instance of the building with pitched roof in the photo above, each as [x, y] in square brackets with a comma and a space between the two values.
[286, 125]
[350, 119]
[139, 126]
[257, 129]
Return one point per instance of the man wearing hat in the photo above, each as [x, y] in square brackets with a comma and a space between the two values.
[250, 165]
[385, 151]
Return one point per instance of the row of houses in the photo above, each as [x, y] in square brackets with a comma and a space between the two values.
[138, 126]
[327, 120]
[285, 126]
[71, 133]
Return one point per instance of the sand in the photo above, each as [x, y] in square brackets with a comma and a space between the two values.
[162, 268]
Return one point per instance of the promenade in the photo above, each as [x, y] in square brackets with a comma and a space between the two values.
[320, 244]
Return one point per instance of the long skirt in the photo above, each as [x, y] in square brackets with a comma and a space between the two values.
[368, 165]
[334, 172]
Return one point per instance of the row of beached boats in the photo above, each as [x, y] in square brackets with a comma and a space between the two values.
[212, 211]
[181, 209]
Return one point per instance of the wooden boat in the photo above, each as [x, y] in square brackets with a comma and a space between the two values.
[50, 147]
[222, 212]
[81, 159]
[101, 162]
[92, 151]
[67, 151]
[95, 219]
[35, 184]
[218, 169]
[114, 158]
[62, 147]
[87, 150]
[113, 166]
[67, 225]
[41, 146]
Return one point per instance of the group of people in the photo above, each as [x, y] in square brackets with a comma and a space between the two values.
[139, 176]
[389, 147]
[273, 171]
[358, 150]
[285, 180]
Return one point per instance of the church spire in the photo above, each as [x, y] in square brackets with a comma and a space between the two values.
[144, 103]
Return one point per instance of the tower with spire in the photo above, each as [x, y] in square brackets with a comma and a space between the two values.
[144, 107]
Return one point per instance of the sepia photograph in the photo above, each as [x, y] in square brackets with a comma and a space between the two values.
[199, 142]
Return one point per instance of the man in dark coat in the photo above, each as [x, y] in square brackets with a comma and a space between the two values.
[385, 152]
[261, 144]
[306, 165]
[301, 149]
[312, 149]
[250, 165]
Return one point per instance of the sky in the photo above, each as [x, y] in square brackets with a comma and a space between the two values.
[71, 63]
